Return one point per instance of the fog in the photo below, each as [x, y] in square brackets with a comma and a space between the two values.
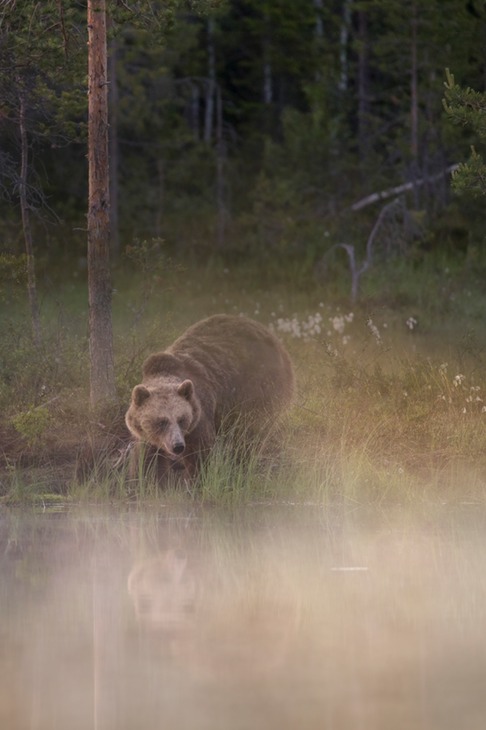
[268, 617]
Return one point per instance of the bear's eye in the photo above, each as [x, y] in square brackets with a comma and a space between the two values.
[162, 424]
[183, 423]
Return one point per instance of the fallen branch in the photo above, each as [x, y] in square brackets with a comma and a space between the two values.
[390, 192]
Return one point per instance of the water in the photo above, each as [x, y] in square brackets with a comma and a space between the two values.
[275, 617]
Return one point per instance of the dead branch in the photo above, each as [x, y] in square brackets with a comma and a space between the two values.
[389, 212]
[399, 189]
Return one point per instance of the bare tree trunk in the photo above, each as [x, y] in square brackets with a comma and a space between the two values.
[267, 74]
[414, 87]
[194, 114]
[319, 33]
[220, 181]
[102, 371]
[414, 151]
[113, 149]
[211, 85]
[318, 6]
[160, 196]
[24, 207]
[343, 45]
[358, 270]
[363, 86]
[267, 87]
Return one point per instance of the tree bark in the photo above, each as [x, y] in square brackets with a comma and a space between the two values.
[211, 85]
[414, 87]
[343, 46]
[220, 177]
[194, 113]
[414, 110]
[102, 371]
[159, 212]
[113, 149]
[267, 87]
[24, 208]
[318, 7]
[319, 35]
[267, 74]
[363, 87]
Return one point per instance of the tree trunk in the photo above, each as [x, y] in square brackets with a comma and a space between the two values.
[102, 371]
[363, 87]
[267, 71]
[414, 87]
[159, 211]
[24, 207]
[343, 45]
[319, 36]
[211, 85]
[220, 178]
[113, 149]
[194, 112]
[318, 7]
[267, 74]
[414, 114]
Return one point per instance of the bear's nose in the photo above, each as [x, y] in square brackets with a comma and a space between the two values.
[179, 447]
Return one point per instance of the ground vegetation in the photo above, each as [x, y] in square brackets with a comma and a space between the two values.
[290, 161]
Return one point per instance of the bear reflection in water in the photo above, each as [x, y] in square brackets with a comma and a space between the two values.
[223, 371]
[163, 591]
[214, 628]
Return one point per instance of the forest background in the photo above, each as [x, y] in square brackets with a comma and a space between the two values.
[281, 141]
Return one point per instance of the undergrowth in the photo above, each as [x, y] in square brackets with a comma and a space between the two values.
[391, 401]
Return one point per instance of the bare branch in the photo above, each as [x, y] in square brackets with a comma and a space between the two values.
[384, 212]
[399, 189]
[389, 214]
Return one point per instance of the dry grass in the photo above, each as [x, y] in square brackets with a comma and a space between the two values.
[386, 408]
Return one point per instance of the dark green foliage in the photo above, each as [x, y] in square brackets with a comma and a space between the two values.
[467, 108]
[246, 127]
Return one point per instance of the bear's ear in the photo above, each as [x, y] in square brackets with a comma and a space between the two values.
[186, 389]
[140, 394]
[161, 363]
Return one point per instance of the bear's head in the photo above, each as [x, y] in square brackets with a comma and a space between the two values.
[163, 413]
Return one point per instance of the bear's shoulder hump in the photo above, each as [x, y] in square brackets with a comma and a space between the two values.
[161, 363]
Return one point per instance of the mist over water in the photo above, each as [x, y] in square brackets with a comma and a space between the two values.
[270, 617]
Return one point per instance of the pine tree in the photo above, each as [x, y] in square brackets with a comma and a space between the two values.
[102, 369]
[467, 108]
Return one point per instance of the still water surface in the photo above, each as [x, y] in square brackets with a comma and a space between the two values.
[272, 617]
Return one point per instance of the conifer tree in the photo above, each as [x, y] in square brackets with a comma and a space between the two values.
[467, 108]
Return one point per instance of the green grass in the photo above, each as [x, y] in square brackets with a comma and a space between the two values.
[391, 402]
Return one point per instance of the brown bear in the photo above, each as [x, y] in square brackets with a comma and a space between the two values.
[222, 370]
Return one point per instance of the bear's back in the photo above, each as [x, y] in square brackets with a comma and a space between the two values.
[240, 360]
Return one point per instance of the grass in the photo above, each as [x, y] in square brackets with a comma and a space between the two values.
[391, 401]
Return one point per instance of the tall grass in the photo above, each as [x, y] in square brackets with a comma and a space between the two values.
[391, 401]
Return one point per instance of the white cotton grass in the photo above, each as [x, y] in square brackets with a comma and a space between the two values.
[313, 326]
[458, 393]
[297, 328]
[336, 330]
[374, 330]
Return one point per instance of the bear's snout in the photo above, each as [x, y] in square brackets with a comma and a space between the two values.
[172, 441]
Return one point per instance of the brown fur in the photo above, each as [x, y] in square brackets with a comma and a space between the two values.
[220, 370]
